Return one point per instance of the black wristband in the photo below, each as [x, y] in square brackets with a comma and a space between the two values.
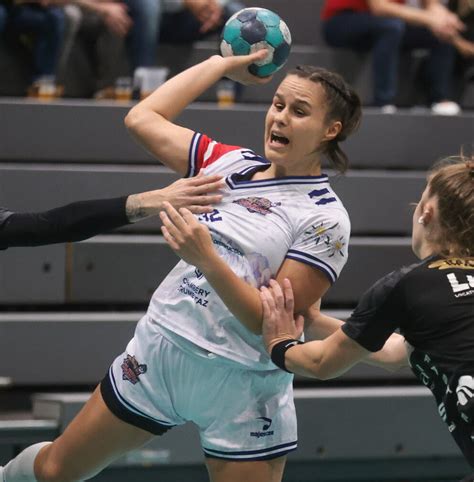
[279, 350]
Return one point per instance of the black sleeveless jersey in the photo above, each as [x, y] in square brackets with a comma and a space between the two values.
[431, 303]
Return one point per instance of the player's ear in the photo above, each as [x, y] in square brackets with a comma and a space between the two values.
[333, 131]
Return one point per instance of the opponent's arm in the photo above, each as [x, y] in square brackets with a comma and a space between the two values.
[81, 220]
[324, 359]
[392, 357]
[150, 122]
[317, 359]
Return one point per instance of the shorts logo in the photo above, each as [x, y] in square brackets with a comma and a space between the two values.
[265, 432]
[131, 369]
[258, 205]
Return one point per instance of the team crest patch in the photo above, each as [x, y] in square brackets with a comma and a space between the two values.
[258, 205]
[131, 369]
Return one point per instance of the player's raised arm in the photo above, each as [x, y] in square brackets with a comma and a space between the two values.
[150, 122]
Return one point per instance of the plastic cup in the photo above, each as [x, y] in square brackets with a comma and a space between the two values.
[123, 89]
[225, 93]
[147, 79]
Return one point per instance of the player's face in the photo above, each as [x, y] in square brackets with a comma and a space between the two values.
[295, 126]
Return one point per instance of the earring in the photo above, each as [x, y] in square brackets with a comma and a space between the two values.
[421, 220]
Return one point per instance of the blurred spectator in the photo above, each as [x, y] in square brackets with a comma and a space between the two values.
[386, 27]
[186, 21]
[190, 20]
[145, 23]
[39, 25]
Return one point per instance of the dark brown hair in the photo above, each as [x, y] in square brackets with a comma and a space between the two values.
[343, 104]
[452, 181]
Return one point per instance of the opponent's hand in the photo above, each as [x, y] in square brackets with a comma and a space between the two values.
[186, 236]
[278, 314]
[237, 68]
[198, 194]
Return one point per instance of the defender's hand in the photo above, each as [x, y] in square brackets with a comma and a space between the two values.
[278, 314]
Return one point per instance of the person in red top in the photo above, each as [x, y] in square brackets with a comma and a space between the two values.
[386, 27]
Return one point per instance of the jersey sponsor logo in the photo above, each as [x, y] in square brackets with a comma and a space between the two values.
[198, 295]
[259, 205]
[131, 369]
[265, 430]
[465, 396]
[450, 263]
[438, 382]
[461, 287]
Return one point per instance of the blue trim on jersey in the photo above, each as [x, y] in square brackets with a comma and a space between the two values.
[312, 261]
[130, 407]
[244, 184]
[193, 147]
[270, 452]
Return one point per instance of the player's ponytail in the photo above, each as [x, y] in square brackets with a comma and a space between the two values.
[451, 180]
[343, 104]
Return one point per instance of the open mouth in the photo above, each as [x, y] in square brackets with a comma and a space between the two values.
[279, 139]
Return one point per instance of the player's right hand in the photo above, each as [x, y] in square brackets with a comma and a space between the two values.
[236, 68]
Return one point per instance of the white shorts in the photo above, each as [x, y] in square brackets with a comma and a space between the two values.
[242, 414]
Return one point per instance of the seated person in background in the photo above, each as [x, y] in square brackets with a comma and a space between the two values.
[185, 21]
[39, 25]
[386, 27]
[190, 20]
[103, 26]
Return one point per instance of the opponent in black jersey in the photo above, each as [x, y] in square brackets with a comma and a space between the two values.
[81, 220]
[431, 303]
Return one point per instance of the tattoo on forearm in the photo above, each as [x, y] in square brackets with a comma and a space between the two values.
[133, 208]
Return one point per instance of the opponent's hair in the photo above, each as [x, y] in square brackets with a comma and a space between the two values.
[451, 180]
[343, 104]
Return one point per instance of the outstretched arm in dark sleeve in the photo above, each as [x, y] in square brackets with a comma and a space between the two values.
[83, 219]
[73, 222]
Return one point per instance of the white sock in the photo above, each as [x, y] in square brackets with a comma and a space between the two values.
[20, 469]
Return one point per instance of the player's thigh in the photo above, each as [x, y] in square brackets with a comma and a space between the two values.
[254, 471]
[92, 440]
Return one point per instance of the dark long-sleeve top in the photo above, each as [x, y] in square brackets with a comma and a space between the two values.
[73, 222]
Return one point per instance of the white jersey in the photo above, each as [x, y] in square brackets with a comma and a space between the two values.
[257, 226]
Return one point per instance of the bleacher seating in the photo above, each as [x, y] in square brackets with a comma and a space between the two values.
[302, 17]
[75, 306]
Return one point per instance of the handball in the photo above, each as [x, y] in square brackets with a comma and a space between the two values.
[253, 29]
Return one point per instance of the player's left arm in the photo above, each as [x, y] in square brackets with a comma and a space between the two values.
[192, 241]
